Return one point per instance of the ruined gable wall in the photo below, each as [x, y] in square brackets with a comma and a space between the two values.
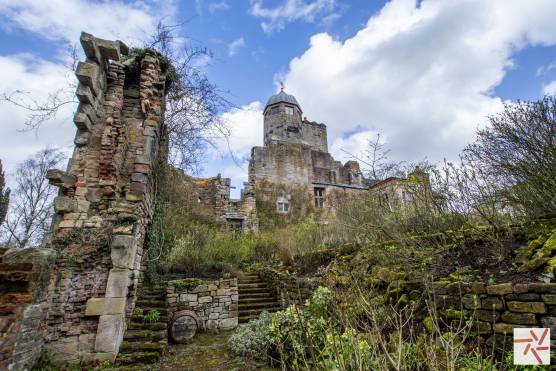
[105, 201]
[314, 134]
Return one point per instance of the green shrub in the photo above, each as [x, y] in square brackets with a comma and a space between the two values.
[152, 316]
[252, 339]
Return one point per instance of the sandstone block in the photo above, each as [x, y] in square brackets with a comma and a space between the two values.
[89, 46]
[84, 94]
[123, 251]
[478, 288]
[118, 283]
[89, 74]
[81, 138]
[102, 306]
[471, 301]
[82, 121]
[526, 307]
[501, 289]
[109, 49]
[519, 318]
[482, 327]
[110, 333]
[65, 204]
[528, 296]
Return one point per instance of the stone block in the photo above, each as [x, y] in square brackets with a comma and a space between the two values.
[228, 323]
[109, 49]
[118, 283]
[123, 251]
[89, 74]
[526, 307]
[188, 297]
[528, 296]
[501, 289]
[81, 138]
[102, 306]
[84, 94]
[549, 299]
[205, 299]
[471, 301]
[487, 315]
[505, 328]
[65, 204]
[82, 121]
[542, 288]
[214, 315]
[60, 178]
[89, 47]
[66, 350]
[482, 327]
[495, 303]
[110, 333]
[519, 318]
[477, 287]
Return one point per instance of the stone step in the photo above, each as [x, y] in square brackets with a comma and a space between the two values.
[254, 290]
[138, 358]
[251, 285]
[139, 319]
[257, 299]
[161, 311]
[147, 326]
[257, 305]
[144, 335]
[249, 280]
[128, 347]
[256, 312]
[157, 303]
[263, 294]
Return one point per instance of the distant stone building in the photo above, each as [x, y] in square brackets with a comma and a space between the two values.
[295, 158]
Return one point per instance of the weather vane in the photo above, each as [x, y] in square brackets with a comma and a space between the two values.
[281, 85]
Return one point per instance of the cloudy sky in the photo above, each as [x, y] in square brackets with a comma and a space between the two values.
[425, 73]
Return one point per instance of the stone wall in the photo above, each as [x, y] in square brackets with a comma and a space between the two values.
[289, 289]
[24, 274]
[105, 200]
[215, 302]
[498, 309]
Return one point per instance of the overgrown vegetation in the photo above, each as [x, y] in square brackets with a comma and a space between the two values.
[4, 196]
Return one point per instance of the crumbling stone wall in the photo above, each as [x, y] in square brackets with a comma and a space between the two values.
[105, 201]
[24, 274]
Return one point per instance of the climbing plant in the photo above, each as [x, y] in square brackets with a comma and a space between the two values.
[4, 196]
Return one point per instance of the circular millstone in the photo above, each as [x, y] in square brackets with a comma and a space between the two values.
[183, 328]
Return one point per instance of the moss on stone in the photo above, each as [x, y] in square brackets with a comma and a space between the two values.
[429, 324]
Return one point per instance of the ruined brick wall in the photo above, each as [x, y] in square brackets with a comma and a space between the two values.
[105, 201]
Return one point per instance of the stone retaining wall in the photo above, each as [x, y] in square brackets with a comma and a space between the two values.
[289, 289]
[215, 302]
[498, 309]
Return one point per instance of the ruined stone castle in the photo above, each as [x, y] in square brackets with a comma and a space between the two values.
[294, 157]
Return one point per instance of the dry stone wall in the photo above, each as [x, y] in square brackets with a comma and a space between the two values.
[105, 201]
[214, 302]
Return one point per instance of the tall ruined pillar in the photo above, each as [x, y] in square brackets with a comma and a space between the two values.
[105, 200]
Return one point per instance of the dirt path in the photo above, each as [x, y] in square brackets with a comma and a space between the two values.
[207, 352]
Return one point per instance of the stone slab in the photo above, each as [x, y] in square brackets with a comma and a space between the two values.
[118, 283]
[103, 306]
[110, 333]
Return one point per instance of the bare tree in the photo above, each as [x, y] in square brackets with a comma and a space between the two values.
[32, 198]
[516, 153]
[193, 104]
[4, 196]
[47, 108]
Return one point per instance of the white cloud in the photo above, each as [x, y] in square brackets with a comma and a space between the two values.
[235, 45]
[290, 11]
[36, 77]
[218, 6]
[131, 22]
[417, 75]
[246, 130]
[550, 89]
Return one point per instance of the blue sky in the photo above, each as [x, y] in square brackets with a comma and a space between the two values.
[425, 74]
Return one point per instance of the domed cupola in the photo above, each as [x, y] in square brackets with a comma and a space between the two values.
[282, 97]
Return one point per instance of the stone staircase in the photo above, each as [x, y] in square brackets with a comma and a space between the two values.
[145, 342]
[255, 297]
